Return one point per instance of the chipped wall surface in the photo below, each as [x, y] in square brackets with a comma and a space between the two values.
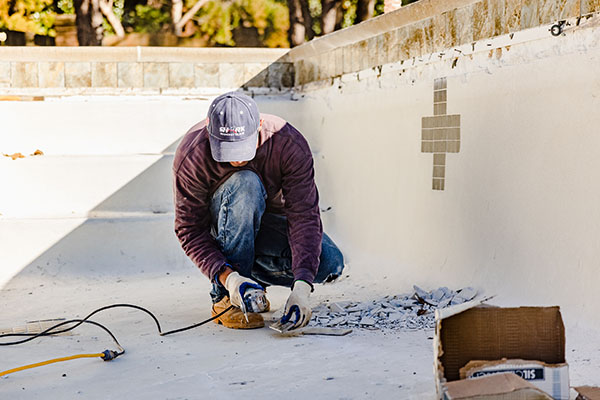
[512, 208]
[425, 27]
[117, 69]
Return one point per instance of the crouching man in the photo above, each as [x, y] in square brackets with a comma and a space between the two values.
[247, 210]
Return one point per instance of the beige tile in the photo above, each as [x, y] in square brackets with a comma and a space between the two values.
[78, 74]
[429, 122]
[452, 133]
[439, 134]
[453, 146]
[5, 74]
[181, 75]
[439, 159]
[589, 6]
[401, 46]
[529, 14]
[512, 15]
[231, 75]
[347, 56]
[372, 55]
[570, 8]
[496, 9]
[427, 147]
[52, 74]
[453, 120]
[338, 57]
[440, 83]
[439, 109]
[130, 75]
[390, 43]
[427, 134]
[439, 146]
[548, 11]
[356, 56]
[206, 75]
[255, 74]
[280, 75]
[24, 74]
[156, 75]
[428, 35]
[439, 96]
[104, 74]
[483, 23]
[414, 41]
[439, 34]
[463, 24]
[439, 172]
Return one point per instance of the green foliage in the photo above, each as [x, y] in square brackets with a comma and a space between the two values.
[349, 7]
[35, 16]
[218, 19]
[148, 19]
[66, 6]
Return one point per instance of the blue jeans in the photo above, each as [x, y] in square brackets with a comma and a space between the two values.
[255, 242]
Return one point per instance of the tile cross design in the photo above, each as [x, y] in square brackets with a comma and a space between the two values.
[440, 134]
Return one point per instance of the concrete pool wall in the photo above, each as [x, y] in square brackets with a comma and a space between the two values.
[472, 164]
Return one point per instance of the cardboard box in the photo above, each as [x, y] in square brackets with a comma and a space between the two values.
[474, 331]
[588, 393]
[503, 386]
[551, 378]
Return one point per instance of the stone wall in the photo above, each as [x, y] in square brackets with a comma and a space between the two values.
[143, 68]
[425, 28]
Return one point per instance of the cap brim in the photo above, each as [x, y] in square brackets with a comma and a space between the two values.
[243, 150]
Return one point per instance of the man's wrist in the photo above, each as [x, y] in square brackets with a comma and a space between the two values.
[225, 271]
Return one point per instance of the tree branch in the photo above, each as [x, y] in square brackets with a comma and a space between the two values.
[178, 26]
[106, 8]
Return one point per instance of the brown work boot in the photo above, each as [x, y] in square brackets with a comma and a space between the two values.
[235, 318]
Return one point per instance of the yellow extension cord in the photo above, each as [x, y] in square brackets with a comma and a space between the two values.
[10, 371]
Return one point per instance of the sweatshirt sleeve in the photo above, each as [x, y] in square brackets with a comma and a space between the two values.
[305, 230]
[192, 223]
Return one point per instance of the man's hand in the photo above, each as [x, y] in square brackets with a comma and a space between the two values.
[234, 283]
[299, 299]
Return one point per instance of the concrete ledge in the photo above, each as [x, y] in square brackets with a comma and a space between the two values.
[143, 54]
[407, 15]
[425, 28]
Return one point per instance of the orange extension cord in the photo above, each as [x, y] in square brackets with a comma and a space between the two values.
[40, 364]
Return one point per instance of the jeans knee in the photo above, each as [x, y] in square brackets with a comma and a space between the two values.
[247, 183]
[332, 261]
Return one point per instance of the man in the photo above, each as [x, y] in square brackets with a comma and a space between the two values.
[247, 210]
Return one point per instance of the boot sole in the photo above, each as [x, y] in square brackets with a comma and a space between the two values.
[229, 325]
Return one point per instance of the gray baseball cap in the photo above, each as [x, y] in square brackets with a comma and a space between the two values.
[233, 122]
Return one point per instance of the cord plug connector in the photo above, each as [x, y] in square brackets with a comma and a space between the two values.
[109, 355]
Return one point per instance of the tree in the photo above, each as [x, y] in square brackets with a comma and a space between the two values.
[106, 6]
[35, 16]
[300, 22]
[179, 20]
[89, 22]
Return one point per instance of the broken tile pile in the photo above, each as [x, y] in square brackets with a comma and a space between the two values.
[410, 312]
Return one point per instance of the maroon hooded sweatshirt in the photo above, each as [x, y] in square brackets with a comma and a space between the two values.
[284, 164]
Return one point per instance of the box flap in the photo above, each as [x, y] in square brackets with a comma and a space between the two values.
[447, 312]
[499, 386]
[483, 333]
[588, 393]
[474, 366]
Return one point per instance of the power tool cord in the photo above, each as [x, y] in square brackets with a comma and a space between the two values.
[78, 322]
[106, 355]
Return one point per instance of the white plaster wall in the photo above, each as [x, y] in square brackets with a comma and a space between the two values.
[520, 214]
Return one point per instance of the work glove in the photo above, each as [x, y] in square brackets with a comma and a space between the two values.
[236, 285]
[297, 309]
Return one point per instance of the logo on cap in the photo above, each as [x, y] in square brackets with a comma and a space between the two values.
[232, 131]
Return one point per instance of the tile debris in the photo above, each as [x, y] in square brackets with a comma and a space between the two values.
[408, 312]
